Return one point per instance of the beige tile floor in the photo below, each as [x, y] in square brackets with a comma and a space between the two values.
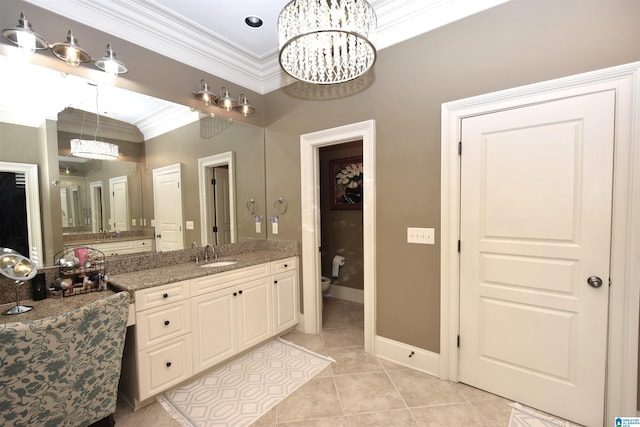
[360, 389]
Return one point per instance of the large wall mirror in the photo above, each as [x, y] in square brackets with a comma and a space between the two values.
[78, 195]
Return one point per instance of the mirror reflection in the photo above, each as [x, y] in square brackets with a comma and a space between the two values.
[92, 194]
[101, 199]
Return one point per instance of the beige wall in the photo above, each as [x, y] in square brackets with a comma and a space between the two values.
[185, 146]
[521, 42]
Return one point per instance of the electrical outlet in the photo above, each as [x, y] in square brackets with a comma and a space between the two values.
[422, 236]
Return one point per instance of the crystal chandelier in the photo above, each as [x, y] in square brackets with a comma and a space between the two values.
[326, 41]
[92, 148]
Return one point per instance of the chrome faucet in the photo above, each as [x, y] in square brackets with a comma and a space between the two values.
[206, 252]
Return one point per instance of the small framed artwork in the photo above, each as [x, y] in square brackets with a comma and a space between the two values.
[347, 183]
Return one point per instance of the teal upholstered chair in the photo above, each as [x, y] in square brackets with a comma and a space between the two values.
[63, 370]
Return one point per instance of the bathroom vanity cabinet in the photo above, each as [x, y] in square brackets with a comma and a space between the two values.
[186, 327]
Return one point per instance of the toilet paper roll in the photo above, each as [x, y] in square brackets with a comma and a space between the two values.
[338, 261]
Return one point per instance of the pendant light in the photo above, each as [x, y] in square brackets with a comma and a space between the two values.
[92, 148]
[326, 41]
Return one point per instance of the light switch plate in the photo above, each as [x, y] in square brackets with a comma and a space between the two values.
[421, 236]
[189, 225]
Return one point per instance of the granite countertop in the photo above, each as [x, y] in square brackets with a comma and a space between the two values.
[50, 306]
[143, 279]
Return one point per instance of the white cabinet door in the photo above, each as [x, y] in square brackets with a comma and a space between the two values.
[254, 312]
[285, 301]
[214, 328]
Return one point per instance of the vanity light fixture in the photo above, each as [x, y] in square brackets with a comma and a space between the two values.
[243, 106]
[24, 36]
[205, 94]
[68, 51]
[110, 64]
[326, 42]
[92, 148]
[225, 101]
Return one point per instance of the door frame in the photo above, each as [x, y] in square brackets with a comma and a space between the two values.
[310, 209]
[624, 310]
[32, 198]
[222, 159]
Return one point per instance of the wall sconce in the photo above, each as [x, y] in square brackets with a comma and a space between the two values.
[205, 94]
[68, 51]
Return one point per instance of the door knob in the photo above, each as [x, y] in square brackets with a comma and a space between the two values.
[594, 281]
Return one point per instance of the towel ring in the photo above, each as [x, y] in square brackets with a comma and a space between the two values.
[280, 206]
[251, 206]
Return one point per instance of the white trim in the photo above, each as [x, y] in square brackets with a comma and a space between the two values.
[94, 205]
[625, 249]
[222, 159]
[32, 195]
[310, 209]
[347, 294]
[406, 355]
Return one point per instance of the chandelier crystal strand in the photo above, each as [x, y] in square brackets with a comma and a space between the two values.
[326, 41]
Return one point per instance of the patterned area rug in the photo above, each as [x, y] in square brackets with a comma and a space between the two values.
[525, 417]
[241, 391]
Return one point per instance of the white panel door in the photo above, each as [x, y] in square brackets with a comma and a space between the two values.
[167, 196]
[535, 225]
[119, 200]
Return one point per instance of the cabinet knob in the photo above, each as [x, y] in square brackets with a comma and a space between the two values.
[165, 296]
[275, 282]
[235, 293]
[240, 292]
[168, 364]
[286, 265]
[166, 323]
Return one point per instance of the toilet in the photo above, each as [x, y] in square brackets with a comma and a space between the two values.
[325, 282]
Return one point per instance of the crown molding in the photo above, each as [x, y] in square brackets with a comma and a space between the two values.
[156, 28]
[165, 120]
[84, 124]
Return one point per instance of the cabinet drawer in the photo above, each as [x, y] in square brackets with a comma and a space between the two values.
[146, 244]
[161, 295]
[164, 366]
[282, 265]
[212, 282]
[162, 323]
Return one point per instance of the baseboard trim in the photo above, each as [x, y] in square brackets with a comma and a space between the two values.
[300, 325]
[397, 352]
[347, 294]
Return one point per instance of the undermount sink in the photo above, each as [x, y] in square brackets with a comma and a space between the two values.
[219, 263]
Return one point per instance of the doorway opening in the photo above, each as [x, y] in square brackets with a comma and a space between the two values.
[310, 145]
[341, 234]
[217, 199]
